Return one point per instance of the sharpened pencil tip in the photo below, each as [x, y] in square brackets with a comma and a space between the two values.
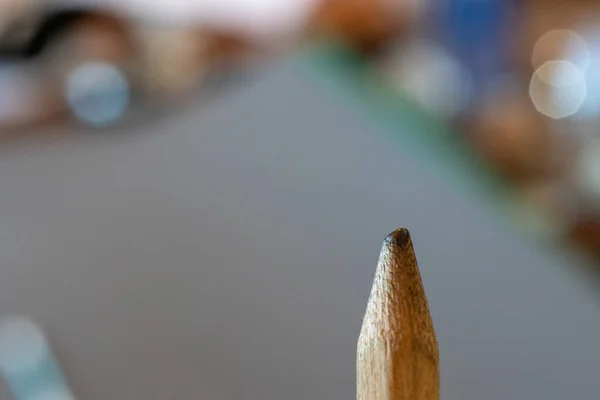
[399, 237]
[397, 351]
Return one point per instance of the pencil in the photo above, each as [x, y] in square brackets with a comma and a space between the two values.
[397, 352]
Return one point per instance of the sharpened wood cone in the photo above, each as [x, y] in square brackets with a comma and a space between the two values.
[397, 352]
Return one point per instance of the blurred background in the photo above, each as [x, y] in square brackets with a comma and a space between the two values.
[193, 194]
[515, 81]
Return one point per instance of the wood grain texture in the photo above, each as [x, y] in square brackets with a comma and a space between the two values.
[397, 352]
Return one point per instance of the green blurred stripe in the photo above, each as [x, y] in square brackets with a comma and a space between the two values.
[431, 140]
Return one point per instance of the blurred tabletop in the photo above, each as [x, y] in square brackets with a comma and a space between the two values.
[227, 251]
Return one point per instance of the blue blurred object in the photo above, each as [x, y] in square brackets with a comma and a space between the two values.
[478, 32]
[27, 363]
[98, 93]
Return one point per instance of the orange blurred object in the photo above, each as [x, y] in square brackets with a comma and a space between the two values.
[368, 25]
[515, 138]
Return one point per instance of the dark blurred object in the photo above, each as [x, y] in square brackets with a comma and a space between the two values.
[57, 42]
[585, 234]
[27, 37]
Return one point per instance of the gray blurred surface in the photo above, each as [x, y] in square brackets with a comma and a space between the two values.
[228, 253]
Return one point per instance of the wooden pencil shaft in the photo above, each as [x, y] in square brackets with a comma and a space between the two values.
[397, 352]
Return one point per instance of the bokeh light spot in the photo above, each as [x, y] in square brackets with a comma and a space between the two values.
[431, 76]
[558, 89]
[561, 44]
[98, 93]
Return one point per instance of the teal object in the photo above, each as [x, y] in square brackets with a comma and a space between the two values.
[27, 363]
[47, 377]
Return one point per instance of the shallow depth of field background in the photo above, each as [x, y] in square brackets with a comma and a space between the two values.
[214, 236]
